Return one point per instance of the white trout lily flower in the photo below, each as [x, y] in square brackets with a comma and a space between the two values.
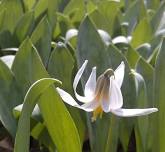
[103, 94]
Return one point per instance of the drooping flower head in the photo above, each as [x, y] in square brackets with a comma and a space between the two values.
[103, 95]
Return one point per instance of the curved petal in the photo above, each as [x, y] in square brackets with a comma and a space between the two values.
[133, 112]
[67, 98]
[115, 97]
[91, 106]
[119, 74]
[76, 81]
[91, 84]
[71, 33]
[104, 36]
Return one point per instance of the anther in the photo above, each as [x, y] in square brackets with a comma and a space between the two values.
[108, 73]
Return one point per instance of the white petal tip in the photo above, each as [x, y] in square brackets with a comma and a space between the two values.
[133, 112]
[154, 109]
[86, 61]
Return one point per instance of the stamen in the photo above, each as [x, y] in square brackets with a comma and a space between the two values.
[97, 112]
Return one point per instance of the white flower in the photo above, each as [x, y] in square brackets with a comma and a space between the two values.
[103, 94]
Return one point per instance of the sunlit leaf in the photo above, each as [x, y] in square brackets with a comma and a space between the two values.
[56, 117]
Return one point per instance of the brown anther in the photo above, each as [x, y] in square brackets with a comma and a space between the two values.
[108, 73]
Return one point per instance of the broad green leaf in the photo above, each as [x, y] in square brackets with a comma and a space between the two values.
[109, 11]
[132, 14]
[91, 46]
[2, 15]
[155, 21]
[142, 123]
[24, 26]
[22, 140]
[13, 13]
[9, 98]
[144, 50]
[100, 20]
[7, 40]
[129, 95]
[154, 4]
[27, 59]
[75, 9]
[142, 33]
[29, 4]
[40, 8]
[52, 9]
[41, 38]
[159, 97]
[161, 28]
[147, 71]
[64, 63]
[152, 58]
[56, 117]
[37, 128]
[132, 56]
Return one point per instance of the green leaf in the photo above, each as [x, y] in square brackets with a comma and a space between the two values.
[142, 123]
[154, 4]
[7, 40]
[64, 63]
[12, 14]
[2, 15]
[128, 92]
[29, 4]
[75, 9]
[24, 26]
[91, 46]
[40, 8]
[132, 14]
[132, 56]
[109, 11]
[147, 71]
[142, 33]
[41, 38]
[144, 50]
[37, 128]
[159, 96]
[9, 98]
[52, 9]
[155, 21]
[56, 117]
[23, 132]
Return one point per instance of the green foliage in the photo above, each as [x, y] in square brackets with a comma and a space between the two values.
[33, 33]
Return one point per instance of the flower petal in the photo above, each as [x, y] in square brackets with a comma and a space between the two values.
[76, 81]
[67, 98]
[8, 60]
[91, 84]
[133, 112]
[104, 36]
[71, 33]
[115, 97]
[119, 74]
[90, 106]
